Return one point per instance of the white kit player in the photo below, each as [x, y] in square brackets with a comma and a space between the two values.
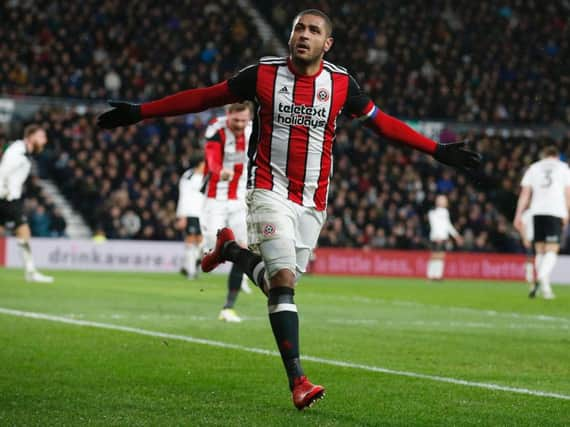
[546, 189]
[226, 174]
[15, 168]
[188, 213]
[440, 230]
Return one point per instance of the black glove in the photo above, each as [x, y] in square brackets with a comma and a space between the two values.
[124, 114]
[456, 155]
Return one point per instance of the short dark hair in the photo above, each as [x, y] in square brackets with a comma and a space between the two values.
[317, 12]
[31, 129]
[550, 151]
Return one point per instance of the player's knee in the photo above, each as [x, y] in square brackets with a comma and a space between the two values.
[283, 278]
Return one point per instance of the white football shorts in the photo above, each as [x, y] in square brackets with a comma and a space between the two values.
[217, 214]
[281, 231]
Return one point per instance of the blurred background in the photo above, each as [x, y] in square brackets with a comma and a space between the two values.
[496, 74]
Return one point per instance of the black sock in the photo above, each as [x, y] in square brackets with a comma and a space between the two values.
[249, 262]
[285, 325]
[234, 285]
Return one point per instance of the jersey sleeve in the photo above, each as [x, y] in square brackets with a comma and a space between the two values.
[359, 105]
[214, 155]
[243, 84]
[357, 102]
[567, 183]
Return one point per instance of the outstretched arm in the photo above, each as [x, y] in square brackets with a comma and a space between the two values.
[190, 101]
[185, 102]
[238, 88]
[396, 130]
[454, 154]
[359, 105]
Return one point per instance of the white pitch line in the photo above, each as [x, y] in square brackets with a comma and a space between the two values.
[220, 344]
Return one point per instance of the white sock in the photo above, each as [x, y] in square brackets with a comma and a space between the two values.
[546, 267]
[197, 255]
[27, 255]
[529, 271]
[440, 267]
[190, 259]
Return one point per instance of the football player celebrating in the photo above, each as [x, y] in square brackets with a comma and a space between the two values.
[298, 100]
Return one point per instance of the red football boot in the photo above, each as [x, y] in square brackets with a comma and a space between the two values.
[214, 258]
[305, 393]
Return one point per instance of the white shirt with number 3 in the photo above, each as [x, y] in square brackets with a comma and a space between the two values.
[548, 179]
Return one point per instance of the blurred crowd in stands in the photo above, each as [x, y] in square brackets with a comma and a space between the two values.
[116, 49]
[458, 60]
[464, 60]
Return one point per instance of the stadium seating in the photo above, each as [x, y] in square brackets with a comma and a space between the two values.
[480, 61]
[137, 51]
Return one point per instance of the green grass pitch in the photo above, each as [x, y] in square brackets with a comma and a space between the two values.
[474, 334]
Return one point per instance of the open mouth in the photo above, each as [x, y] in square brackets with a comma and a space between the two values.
[302, 47]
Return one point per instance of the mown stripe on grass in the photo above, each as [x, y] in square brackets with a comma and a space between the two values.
[339, 363]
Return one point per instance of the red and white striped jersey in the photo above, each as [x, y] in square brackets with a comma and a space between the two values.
[294, 127]
[225, 150]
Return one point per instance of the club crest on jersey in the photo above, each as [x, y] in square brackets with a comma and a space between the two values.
[268, 230]
[323, 95]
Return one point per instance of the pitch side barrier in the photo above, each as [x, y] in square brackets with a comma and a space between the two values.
[458, 265]
[166, 257]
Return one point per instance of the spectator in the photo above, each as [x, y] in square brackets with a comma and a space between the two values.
[57, 224]
[40, 222]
